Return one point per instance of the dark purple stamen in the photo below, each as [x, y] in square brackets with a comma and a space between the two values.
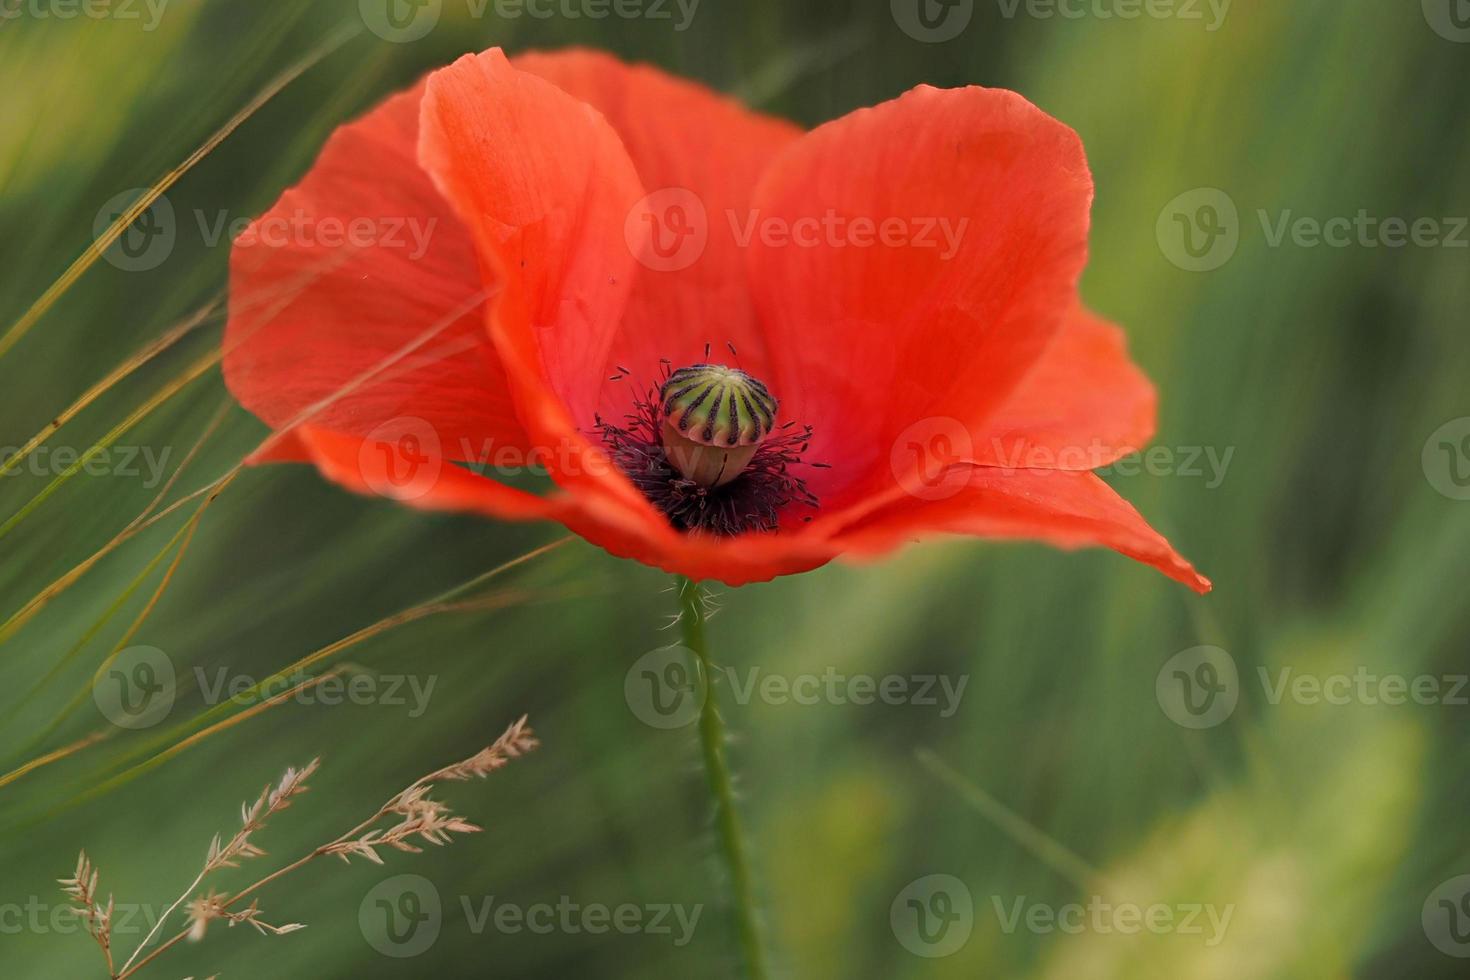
[753, 501]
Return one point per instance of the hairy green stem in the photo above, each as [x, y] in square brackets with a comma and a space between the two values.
[722, 791]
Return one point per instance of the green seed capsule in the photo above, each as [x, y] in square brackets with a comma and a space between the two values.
[715, 418]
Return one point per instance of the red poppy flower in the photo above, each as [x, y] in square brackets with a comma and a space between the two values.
[505, 264]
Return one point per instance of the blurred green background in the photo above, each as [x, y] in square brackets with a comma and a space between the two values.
[1331, 834]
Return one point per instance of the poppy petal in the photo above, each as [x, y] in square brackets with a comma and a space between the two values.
[1061, 508]
[544, 185]
[914, 260]
[377, 467]
[1067, 510]
[699, 154]
[1084, 405]
[355, 263]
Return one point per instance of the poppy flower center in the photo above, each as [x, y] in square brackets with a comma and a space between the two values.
[714, 419]
[705, 447]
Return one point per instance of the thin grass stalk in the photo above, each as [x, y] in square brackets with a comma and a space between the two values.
[442, 603]
[93, 252]
[41, 599]
[168, 391]
[187, 532]
[113, 377]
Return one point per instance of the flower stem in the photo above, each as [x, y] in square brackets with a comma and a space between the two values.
[717, 771]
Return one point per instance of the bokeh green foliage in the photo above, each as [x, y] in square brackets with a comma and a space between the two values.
[1324, 371]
